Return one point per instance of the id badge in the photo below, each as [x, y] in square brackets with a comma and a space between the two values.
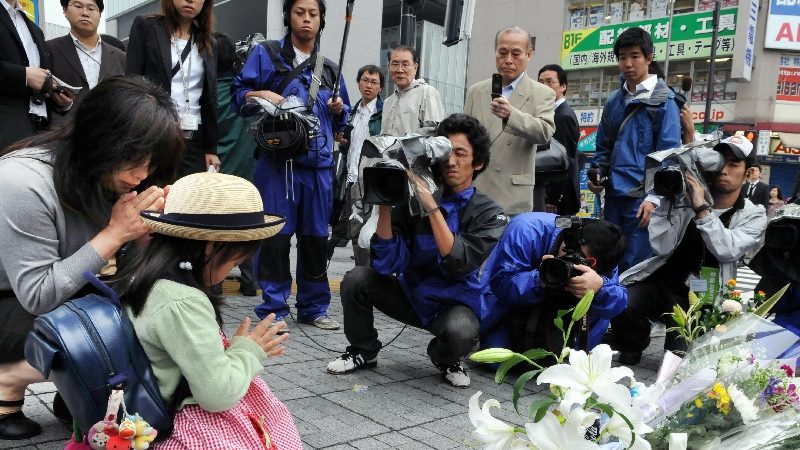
[189, 122]
[697, 284]
[711, 277]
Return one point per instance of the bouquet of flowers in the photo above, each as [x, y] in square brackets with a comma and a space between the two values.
[736, 387]
[590, 403]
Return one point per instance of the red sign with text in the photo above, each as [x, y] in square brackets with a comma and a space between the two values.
[788, 84]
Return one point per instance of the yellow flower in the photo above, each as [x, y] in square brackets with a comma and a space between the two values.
[698, 402]
[720, 394]
[732, 283]
[736, 294]
[762, 294]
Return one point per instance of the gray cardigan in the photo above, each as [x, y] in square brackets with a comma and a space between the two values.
[44, 249]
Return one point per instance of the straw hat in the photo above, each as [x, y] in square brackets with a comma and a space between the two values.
[214, 207]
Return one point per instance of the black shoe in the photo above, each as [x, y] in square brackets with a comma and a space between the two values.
[61, 411]
[248, 291]
[630, 358]
[16, 426]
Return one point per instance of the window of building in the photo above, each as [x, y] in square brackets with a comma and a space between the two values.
[595, 13]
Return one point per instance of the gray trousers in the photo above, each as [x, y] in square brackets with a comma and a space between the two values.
[455, 328]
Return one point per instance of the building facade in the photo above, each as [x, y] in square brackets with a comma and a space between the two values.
[754, 85]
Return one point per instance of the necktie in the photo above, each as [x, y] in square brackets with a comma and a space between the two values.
[751, 190]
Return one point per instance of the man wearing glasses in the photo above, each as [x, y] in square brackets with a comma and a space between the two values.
[519, 119]
[25, 83]
[414, 104]
[80, 58]
[365, 121]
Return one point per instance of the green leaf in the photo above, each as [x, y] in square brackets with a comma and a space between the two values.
[563, 312]
[502, 371]
[693, 298]
[559, 322]
[764, 309]
[582, 308]
[538, 353]
[539, 408]
[520, 383]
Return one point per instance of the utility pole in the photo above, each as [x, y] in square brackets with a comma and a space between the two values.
[669, 38]
[711, 67]
[408, 22]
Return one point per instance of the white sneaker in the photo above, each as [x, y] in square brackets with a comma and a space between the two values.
[350, 362]
[456, 375]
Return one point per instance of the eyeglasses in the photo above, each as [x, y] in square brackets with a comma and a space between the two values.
[372, 82]
[396, 65]
[88, 8]
[550, 81]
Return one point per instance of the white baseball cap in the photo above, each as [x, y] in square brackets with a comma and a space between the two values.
[741, 147]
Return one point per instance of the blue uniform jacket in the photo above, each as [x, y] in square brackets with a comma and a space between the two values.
[430, 281]
[259, 73]
[511, 278]
[787, 310]
[655, 125]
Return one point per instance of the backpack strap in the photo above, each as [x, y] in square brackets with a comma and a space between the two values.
[274, 50]
[105, 289]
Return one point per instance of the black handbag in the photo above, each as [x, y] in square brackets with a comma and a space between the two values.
[552, 162]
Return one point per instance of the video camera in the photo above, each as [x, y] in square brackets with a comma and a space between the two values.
[665, 169]
[386, 182]
[285, 131]
[780, 255]
[556, 272]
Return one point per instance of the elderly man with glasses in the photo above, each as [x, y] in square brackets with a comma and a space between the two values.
[80, 58]
[415, 103]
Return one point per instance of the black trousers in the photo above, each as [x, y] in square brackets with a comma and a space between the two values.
[15, 324]
[455, 329]
[649, 300]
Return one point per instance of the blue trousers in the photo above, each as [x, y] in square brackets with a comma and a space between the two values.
[304, 196]
[622, 212]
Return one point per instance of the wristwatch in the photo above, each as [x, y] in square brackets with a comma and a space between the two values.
[704, 207]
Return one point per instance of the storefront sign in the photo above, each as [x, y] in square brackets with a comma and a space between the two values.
[788, 88]
[31, 9]
[764, 140]
[691, 39]
[587, 139]
[588, 117]
[742, 66]
[783, 25]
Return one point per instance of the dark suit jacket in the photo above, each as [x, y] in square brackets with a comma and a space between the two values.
[566, 194]
[67, 66]
[150, 54]
[14, 94]
[760, 195]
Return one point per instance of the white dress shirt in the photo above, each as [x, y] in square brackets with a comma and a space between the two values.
[90, 59]
[508, 90]
[357, 136]
[193, 70]
[31, 50]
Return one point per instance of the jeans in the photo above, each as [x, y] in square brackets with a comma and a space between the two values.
[455, 328]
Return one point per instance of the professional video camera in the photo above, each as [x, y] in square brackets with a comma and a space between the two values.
[284, 130]
[665, 169]
[386, 181]
[780, 255]
[556, 272]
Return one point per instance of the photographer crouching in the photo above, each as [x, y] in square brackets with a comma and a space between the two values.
[424, 267]
[696, 246]
[545, 263]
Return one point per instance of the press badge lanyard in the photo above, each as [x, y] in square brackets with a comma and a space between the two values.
[188, 121]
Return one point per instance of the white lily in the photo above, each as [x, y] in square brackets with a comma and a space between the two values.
[617, 427]
[586, 374]
[550, 434]
[494, 433]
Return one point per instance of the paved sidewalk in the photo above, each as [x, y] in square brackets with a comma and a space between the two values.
[402, 403]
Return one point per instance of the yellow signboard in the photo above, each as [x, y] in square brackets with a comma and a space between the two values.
[31, 8]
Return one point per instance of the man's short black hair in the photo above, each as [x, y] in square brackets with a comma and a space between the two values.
[562, 76]
[477, 135]
[634, 37]
[99, 3]
[372, 70]
[606, 243]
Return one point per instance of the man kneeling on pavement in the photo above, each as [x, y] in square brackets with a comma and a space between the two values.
[694, 247]
[424, 269]
[526, 294]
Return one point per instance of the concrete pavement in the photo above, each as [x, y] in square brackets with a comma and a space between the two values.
[402, 403]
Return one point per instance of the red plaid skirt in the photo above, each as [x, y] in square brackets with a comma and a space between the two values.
[259, 421]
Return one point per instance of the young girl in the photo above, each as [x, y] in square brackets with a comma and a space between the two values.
[175, 50]
[211, 222]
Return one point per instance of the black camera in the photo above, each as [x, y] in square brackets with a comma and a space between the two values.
[556, 272]
[669, 182]
[385, 184]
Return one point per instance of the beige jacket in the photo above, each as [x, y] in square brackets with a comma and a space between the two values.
[508, 179]
[408, 109]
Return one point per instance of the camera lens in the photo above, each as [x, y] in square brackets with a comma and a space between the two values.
[555, 272]
[668, 182]
[385, 186]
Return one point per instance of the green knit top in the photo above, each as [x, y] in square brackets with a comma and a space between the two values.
[180, 335]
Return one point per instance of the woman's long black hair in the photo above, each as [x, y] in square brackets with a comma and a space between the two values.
[203, 24]
[160, 259]
[121, 124]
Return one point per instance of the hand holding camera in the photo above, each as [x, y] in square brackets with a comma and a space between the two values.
[587, 281]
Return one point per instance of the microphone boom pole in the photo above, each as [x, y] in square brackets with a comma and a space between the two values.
[347, 18]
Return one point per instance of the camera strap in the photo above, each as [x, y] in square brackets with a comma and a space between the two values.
[316, 81]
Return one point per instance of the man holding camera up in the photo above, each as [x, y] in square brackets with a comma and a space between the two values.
[298, 187]
[424, 269]
[519, 116]
[695, 248]
[638, 119]
[545, 263]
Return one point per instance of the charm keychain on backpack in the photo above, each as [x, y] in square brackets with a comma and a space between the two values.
[133, 432]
